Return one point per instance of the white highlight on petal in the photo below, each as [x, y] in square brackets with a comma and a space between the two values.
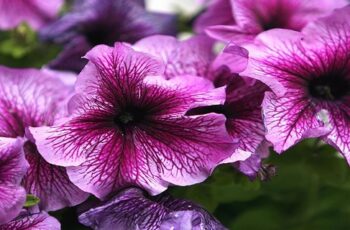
[323, 116]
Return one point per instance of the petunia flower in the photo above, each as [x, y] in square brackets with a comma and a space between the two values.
[34, 12]
[35, 221]
[29, 97]
[242, 20]
[308, 72]
[94, 22]
[129, 127]
[13, 166]
[133, 209]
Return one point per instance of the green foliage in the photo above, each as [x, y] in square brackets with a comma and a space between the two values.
[310, 191]
[21, 48]
[31, 200]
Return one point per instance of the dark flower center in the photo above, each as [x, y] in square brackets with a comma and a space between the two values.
[130, 117]
[100, 35]
[279, 17]
[273, 23]
[125, 118]
[329, 88]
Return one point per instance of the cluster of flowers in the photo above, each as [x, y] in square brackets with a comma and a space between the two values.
[151, 111]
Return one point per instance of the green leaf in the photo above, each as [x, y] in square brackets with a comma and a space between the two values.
[31, 201]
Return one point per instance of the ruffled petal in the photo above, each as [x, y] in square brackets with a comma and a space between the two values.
[251, 17]
[244, 116]
[291, 118]
[38, 221]
[339, 137]
[71, 58]
[229, 33]
[275, 60]
[12, 169]
[211, 16]
[331, 30]
[106, 62]
[132, 209]
[12, 201]
[234, 57]
[13, 164]
[105, 22]
[29, 97]
[49, 183]
[170, 151]
[189, 57]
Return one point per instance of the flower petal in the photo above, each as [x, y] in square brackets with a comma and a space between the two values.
[71, 58]
[229, 33]
[131, 209]
[38, 221]
[211, 17]
[35, 12]
[339, 137]
[290, 119]
[275, 59]
[177, 151]
[122, 58]
[13, 167]
[12, 201]
[29, 97]
[49, 183]
[245, 117]
[13, 164]
[189, 57]
[234, 57]
[105, 22]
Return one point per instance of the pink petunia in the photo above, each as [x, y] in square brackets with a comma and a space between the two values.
[308, 72]
[130, 128]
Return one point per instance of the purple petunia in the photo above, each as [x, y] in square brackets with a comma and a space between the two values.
[36, 13]
[309, 73]
[13, 166]
[132, 209]
[94, 22]
[128, 126]
[30, 97]
[242, 20]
